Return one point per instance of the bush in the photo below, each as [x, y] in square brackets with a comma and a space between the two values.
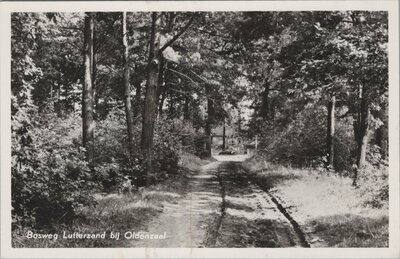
[173, 137]
[303, 141]
[50, 179]
[373, 179]
[114, 163]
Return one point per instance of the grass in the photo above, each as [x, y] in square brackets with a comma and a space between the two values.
[329, 209]
[350, 230]
[116, 213]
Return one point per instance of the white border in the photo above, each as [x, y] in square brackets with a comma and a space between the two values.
[7, 251]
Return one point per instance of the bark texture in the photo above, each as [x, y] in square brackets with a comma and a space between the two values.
[149, 112]
[88, 100]
[127, 87]
[362, 135]
[331, 131]
[209, 122]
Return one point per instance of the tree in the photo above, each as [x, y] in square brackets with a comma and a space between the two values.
[149, 112]
[150, 106]
[331, 131]
[209, 120]
[127, 87]
[87, 96]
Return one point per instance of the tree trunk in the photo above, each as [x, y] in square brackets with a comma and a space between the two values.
[94, 72]
[239, 123]
[171, 108]
[149, 111]
[186, 114]
[209, 122]
[223, 137]
[128, 102]
[330, 144]
[160, 86]
[381, 133]
[138, 99]
[57, 104]
[88, 102]
[161, 102]
[264, 112]
[363, 135]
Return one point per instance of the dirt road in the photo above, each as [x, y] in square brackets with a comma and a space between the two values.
[224, 207]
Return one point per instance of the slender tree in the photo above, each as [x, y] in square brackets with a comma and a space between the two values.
[331, 131]
[362, 135]
[88, 101]
[209, 121]
[223, 137]
[127, 87]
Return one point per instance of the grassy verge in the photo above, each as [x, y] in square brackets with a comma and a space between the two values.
[116, 213]
[330, 211]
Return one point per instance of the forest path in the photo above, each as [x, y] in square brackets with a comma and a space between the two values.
[186, 223]
[223, 208]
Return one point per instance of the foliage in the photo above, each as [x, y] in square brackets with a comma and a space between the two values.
[115, 163]
[374, 179]
[299, 142]
[53, 182]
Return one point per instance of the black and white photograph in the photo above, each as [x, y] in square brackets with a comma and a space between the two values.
[200, 128]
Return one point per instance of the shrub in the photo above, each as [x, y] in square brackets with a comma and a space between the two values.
[50, 180]
[374, 179]
[114, 162]
[301, 140]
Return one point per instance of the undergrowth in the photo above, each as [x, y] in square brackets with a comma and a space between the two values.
[328, 206]
[115, 212]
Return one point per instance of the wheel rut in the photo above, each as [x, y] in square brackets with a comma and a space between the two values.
[223, 206]
[296, 227]
[250, 215]
[212, 237]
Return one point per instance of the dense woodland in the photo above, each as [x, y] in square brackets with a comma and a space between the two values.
[101, 97]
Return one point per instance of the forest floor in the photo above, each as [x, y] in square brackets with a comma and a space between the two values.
[222, 207]
[231, 203]
[329, 211]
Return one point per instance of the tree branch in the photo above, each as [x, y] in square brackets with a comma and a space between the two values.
[169, 43]
[186, 76]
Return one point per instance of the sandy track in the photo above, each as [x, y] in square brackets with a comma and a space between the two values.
[186, 223]
[222, 207]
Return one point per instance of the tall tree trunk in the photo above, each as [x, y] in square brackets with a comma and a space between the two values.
[330, 144]
[171, 105]
[381, 133]
[138, 99]
[223, 137]
[161, 102]
[239, 123]
[88, 102]
[128, 102]
[264, 112]
[57, 104]
[186, 115]
[160, 86]
[149, 112]
[363, 135]
[209, 122]
[94, 71]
